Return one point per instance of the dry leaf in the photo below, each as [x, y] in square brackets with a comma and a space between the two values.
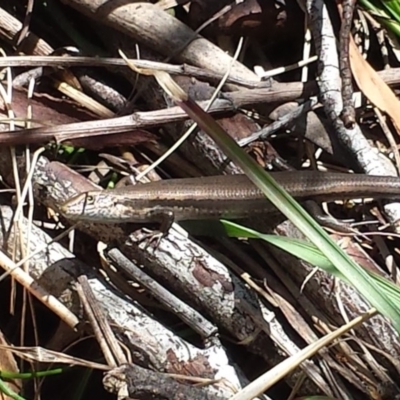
[372, 85]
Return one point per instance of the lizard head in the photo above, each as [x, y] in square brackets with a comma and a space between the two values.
[88, 206]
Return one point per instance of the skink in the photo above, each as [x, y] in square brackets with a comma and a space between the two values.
[228, 196]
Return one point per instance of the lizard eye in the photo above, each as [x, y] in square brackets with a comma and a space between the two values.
[89, 199]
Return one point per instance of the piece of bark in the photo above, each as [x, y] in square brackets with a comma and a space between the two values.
[131, 381]
[162, 33]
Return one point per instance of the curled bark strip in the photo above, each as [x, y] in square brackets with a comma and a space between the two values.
[348, 114]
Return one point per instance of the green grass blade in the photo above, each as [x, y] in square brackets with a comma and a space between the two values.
[308, 252]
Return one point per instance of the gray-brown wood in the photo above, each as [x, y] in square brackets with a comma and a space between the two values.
[162, 33]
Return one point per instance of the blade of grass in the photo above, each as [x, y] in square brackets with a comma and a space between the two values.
[30, 375]
[8, 392]
[382, 16]
[308, 252]
[393, 8]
